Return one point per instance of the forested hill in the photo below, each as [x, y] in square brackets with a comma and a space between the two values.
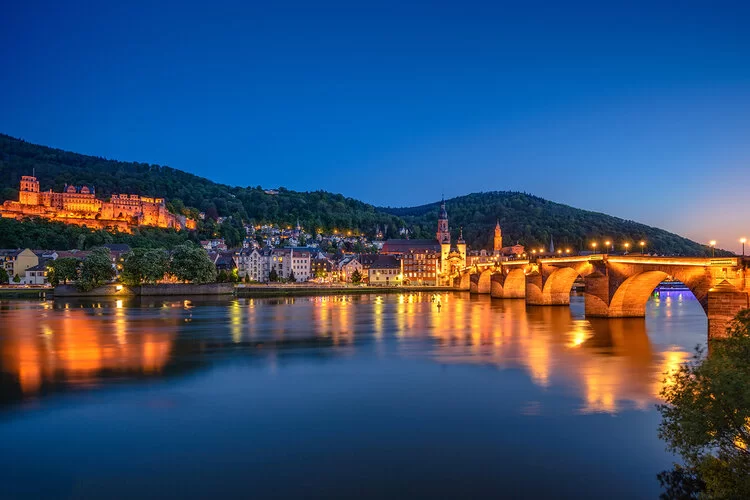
[524, 218]
[55, 168]
[532, 221]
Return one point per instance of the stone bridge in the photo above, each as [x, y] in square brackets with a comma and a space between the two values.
[617, 286]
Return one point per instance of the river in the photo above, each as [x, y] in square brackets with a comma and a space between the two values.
[367, 396]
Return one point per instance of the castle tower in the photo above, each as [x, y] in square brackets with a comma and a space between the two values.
[29, 191]
[498, 241]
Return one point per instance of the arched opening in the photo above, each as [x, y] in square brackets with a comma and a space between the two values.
[483, 285]
[515, 285]
[630, 298]
[558, 286]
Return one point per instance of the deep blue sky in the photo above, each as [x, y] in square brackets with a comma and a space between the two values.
[640, 111]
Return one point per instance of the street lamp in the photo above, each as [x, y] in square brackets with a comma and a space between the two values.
[607, 243]
[743, 240]
[593, 245]
[643, 244]
[567, 250]
[713, 247]
[627, 246]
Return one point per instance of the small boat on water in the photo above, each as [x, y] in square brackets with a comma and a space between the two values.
[671, 285]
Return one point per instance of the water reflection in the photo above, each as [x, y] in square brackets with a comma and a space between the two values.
[608, 364]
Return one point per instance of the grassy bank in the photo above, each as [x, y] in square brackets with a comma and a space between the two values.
[25, 293]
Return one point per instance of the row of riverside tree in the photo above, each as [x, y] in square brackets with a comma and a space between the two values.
[188, 263]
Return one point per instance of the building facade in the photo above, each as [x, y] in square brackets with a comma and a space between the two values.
[385, 271]
[418, 256]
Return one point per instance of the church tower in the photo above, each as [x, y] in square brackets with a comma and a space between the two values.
[461, 247]
[498, 241]
[443, 234]
[443, 237]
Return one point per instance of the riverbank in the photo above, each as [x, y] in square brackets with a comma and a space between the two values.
[287, 290]
[24, 293]
[161, 290]
[225, 289]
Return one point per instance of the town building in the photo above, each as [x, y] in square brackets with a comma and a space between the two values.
[449, 259]
[16, 262]
[250, 265]
[79, 205]
[321, 268]
[36, 275]
[347, 266]
[385, 271]
[421, 267]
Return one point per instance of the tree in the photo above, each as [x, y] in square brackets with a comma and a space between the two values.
[292, 277]
[63, 270]
[4, 278]
[273, 275]
[96, 270]
[190, 263]
[16, 279]
[356, 277]
[706, 419]
[144, 265]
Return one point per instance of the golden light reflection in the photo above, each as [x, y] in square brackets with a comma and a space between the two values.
[78, 345]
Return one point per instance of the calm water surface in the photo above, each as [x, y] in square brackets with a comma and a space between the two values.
[367, 396]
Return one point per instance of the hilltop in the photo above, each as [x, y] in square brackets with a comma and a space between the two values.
[527, 219]
[533, 221]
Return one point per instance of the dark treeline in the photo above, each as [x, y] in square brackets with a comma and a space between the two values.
[46, 235]
[526, 219]
[315, 210]
[532, 221]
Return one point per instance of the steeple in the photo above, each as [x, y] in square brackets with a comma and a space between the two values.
[443, 234]
[498, 239]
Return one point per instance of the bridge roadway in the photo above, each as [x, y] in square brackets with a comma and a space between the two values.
[617, 286]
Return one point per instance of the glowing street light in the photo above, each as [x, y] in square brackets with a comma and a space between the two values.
[567, 250]
[607, 243]
[713, 247]
[643, 244]
[627, 247]
[743, 240]
[593, 245]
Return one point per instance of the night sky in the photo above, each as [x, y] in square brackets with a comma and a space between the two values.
[639, 111]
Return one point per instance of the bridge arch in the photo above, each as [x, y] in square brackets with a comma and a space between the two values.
[496, 286]
[515, 284]
[631, 296]
[557, 288]
[483, 284]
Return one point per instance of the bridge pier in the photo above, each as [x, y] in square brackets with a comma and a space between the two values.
[534, 286]
[724, 302]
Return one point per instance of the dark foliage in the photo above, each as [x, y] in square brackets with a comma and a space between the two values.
[532, 221]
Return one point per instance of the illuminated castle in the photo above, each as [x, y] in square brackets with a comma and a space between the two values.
[80, 206]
